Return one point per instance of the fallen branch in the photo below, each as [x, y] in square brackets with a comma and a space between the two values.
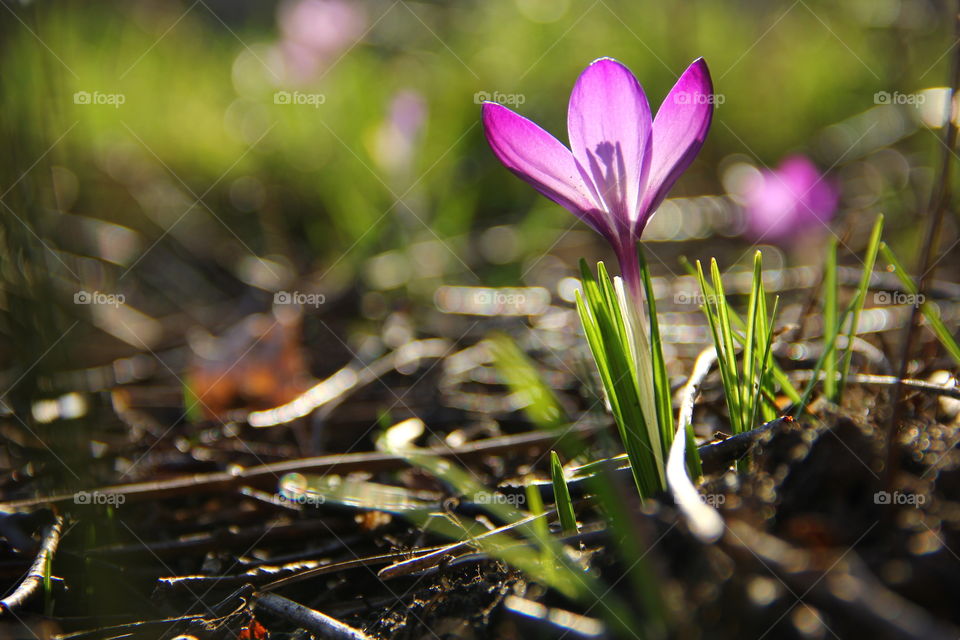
[38, 570]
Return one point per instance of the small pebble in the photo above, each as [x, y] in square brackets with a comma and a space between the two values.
[949, 407]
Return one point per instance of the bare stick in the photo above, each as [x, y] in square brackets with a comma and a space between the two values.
[704, 521]
[38, 570]
[268, 475]
[434, 558]
[948, 391]
[322, 626]
[939, 201]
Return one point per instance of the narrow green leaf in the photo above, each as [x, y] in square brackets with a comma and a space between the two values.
[726, 329]
[713, 320]
[868, 264]
[830, 318]
[828, 347]
[541, 406]
[765, 333]
[929, 310]
[779, 375]
[616, 374]
[716, 303]
[661, 382]
[750, 340]
[561, 493]
[540, 526]
[552, 565]
[764, 364]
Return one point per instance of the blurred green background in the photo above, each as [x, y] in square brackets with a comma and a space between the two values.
[196, 157]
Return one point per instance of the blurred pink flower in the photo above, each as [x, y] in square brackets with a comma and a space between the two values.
[785, 203]
[397, 138]
[315, 32]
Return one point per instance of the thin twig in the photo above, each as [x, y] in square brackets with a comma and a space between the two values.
[714, 457]
[437, 556]
[719, 455]
[267, 475]
[331, 391]
[38, 570]
[939, 201]
[949, 391]
[704, 521]
[368, 561]
[551, 622]
[322, 626]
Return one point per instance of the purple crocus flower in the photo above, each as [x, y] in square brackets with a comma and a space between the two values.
[621, 162]
[787, 202]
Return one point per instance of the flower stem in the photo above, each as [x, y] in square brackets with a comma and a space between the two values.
[634, 311]
[630, 270]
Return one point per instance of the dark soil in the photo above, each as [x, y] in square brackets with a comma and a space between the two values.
[823, 539]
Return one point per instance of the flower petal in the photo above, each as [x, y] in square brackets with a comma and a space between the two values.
[540, 159]
[771, 205]
[679, 131]
[788, 202]
[609, 125]
[815, 193]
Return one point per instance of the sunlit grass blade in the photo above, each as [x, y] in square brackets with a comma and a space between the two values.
[756, 357]
[712, 303]
[623, 401]
[612, 302]
[829, 345]
[661, 382]
[829, 290]
[751, 337]
[552, 565]
[870, 260]
[561, 493]
[540, 404]
[540, 524]
[48, 584]
[929, 310]
[601, 315]
[726, 331]
[765, 327]
[765, 361]
[744, 384]
[778, 374]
